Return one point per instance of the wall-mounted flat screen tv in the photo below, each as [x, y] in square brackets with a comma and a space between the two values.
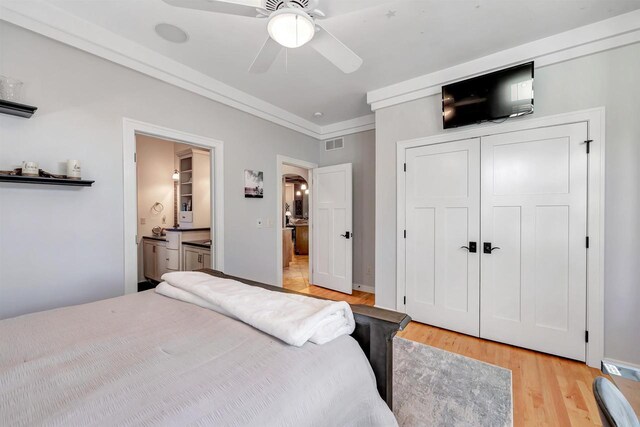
[498, 95]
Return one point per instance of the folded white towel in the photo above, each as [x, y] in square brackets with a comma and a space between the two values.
[295, 319]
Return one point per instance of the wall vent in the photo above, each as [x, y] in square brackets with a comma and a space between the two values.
[334, 144]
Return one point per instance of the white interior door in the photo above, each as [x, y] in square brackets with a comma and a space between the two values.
[442, 217]
[332, 241]
[534, 214]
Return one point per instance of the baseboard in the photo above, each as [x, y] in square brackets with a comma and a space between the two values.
[364, 288]
[621, 363]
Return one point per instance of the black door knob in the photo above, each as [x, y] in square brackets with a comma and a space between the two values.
[487, 248]
[472, 248]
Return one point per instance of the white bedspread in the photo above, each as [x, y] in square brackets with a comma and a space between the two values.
[295, 319]
[144, 359]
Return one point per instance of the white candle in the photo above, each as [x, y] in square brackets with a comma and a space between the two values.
[30, 169]
[73, 169]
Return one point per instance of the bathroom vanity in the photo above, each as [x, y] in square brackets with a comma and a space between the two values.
[178, 250]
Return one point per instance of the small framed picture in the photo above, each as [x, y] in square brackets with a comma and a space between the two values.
[253, 184]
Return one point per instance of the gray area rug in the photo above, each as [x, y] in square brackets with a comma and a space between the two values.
[433, 387]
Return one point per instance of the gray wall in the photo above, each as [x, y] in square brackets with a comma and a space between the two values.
[359, 149]
[609, 79]
[62, 246]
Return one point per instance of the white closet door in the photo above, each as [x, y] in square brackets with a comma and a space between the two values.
[534, 206]
[332, 249]
[442, 216]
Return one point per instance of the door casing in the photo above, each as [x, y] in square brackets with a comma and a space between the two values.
[595, 120]
[281, 161]
[131, 128]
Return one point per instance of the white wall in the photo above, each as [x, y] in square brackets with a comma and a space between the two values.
[359, 149]
[155, 166]
[62, 246]
[288, 198]
[607, 79]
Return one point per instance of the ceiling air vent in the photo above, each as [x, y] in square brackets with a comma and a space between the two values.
[334, 144]
[273, 5]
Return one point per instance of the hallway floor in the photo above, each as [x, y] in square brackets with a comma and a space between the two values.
[296, 277]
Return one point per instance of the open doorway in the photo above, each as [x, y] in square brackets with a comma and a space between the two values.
[328, 223]
[295, 231]
[188, 203]
[174, 183]
[294, 213]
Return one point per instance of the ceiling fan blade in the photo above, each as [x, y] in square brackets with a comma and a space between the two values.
[313, 4]
[317, 13]
[215, 6]
[335, 51]
[262, 13]
[268, 53]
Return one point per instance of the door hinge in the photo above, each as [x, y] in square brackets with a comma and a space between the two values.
[588, 142]
[136, 239]
[405, 167]
[135, 157]
[405, 300]
[587, 242]
[586, 336]
[405, 234]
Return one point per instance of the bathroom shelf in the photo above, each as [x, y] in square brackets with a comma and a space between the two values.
[15, 109]
[45, 181]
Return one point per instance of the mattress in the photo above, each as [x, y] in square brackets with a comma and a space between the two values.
[145, 359]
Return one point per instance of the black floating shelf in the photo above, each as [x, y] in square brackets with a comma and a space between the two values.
[46, 181]
[15, 109]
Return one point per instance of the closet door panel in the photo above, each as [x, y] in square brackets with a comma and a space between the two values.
[442, 215]
[506, 281]
[534, 209]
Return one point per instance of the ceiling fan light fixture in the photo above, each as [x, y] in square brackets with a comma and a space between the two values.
[291, 28]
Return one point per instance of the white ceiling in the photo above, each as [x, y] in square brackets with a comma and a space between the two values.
[397, 40]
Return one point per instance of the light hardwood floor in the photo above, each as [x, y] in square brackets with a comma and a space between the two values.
[547, 390]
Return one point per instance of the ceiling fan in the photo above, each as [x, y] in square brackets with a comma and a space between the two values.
[291, 24]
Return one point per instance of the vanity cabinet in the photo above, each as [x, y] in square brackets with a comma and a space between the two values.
[172, 253]
[156, 259]
[195, 258]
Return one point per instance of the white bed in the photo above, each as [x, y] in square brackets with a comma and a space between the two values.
[146, 359]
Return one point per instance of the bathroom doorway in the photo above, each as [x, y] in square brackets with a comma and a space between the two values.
[174, 207]
[132, 130]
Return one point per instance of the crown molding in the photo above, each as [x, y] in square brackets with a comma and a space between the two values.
[359, 124]
[57, 24]
[611, 33]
